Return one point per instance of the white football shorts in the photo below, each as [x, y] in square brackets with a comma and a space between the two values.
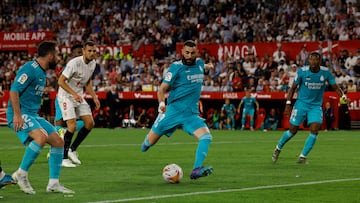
[71, 109]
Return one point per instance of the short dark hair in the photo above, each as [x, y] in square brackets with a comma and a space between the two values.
[316, 54]
[46, 47]
[76, 46]
[190, 43]
[89, 43]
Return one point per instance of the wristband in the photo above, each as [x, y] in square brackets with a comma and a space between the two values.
[161, 104]
[288, 102]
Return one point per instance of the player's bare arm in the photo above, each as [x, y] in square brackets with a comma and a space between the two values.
[161, 96]
[239, 107]
[339, 92]
[17, 119]
[62, 83]
[289, 98]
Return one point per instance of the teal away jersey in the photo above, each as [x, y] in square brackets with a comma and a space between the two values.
[230, 109]
[186, 82]
[311, 86]
[249, 103]
[29, 82]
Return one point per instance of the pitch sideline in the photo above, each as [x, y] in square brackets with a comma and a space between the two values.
[228, 190]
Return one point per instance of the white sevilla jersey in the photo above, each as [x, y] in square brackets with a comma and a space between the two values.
[78, 73]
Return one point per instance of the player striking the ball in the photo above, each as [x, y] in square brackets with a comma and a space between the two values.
[183, 80]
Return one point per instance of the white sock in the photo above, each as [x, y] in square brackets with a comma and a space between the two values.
[22, 172]
[53, 181]
[2, 174]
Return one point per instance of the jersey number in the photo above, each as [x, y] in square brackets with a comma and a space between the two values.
[27, 121]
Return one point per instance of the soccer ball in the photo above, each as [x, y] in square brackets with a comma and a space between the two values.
[172, 173]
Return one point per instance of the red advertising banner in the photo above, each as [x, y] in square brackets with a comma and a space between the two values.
[354, 106]
[23, 41]
[291, 49]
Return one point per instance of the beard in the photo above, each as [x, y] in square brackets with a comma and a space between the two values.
[188, 62]
[52, 65]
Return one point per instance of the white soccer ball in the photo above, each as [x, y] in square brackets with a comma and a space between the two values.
[172, 173]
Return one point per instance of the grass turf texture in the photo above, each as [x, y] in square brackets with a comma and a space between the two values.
[115, 170]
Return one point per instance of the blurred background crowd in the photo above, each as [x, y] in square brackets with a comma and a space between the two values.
[163, 23]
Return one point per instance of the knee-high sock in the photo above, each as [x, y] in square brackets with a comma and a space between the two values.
[55, 159]
[309, 143]
[67, 142]
[146, 144]
[82, 134]
[31, 153]
[202, 149]
[243, 120]
[252, 123]
[284, 139]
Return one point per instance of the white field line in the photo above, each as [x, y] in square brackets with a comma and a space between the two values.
[228, 190]
[19, 146]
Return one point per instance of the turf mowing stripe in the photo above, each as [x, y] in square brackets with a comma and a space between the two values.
[162, 144]
[228, 190]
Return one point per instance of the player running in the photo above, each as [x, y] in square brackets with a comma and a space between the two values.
[310, 82]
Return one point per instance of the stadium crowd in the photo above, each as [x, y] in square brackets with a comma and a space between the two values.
[163, 23]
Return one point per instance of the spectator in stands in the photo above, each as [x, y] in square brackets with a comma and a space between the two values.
[345, 77]
[302, 57]
[266, 87]
[350, 60]
[113, 105]
[292, 73]
[251, 85]
[101, 119]
[329, 116]
[279, 54]
[342, 58]
[271, 66]
[357, 72]
[129, 117]
[260, 85]
[143, 121]
[271, 121]
[236, 82]
[351, 87]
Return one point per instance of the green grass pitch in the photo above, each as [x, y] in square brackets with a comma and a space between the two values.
[115, 170]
